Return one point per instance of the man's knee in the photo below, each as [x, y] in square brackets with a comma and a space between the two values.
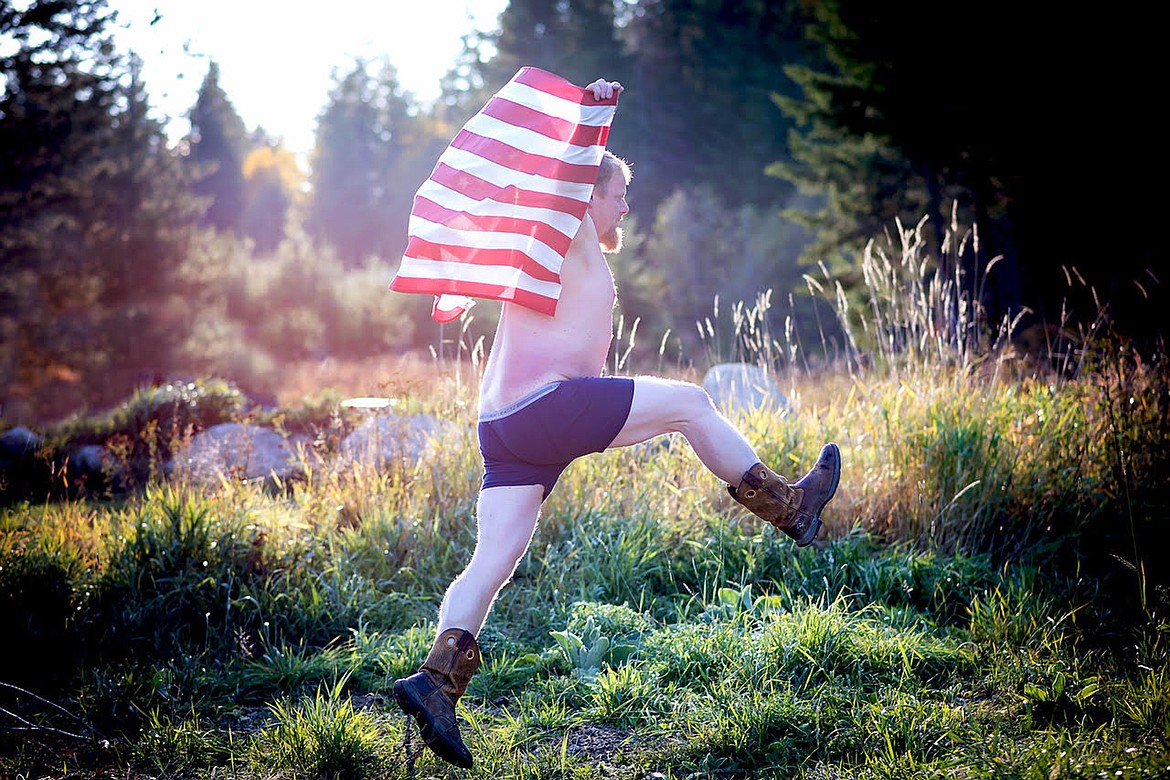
[504, 539]
[512, 549]
[496, 561]
[694, 400]
[663, 406]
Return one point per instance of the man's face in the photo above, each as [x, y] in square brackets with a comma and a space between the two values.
[607, 207]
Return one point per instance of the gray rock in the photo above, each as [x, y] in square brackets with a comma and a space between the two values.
[23, 470]
[19, 443]
[90, 462]
[237, 451]
[390, 438]
[91, 459]
[92, 467]
[744, 387]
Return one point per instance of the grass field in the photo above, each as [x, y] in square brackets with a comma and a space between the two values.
[987, 603]
[989, 598]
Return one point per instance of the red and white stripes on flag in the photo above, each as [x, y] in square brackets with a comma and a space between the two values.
[498, 213]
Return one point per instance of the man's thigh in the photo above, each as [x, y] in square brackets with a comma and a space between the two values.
[660, 406]
[506, 516]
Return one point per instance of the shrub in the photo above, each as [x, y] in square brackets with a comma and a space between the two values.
[142, 432]
[154, 417]
[216, 345]
[322, 736]
[40, 647]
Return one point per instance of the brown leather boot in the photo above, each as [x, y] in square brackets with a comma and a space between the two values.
[431, 693]
[794, 509]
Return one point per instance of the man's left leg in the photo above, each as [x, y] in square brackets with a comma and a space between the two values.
[667, 406]
[505, 519]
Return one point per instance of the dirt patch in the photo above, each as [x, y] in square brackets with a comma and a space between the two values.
[598, 743]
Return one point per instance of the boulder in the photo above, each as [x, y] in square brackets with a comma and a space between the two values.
[23, 470]
[238, 451]
[19, 444]
[744, 387]
[390, 438]
[91, 467]
[90, 459]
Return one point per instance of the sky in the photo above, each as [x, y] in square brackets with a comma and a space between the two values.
[277, 59]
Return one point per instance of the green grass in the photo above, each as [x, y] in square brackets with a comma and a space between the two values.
[653, 628]
[323, 736]
[990, 599]
[989, 603]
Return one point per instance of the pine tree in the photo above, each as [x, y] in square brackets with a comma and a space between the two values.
[700, 106]
[576, 39]
[701, 75]
[923, 107]
[218, 144]
[43, 120]
[373, 150]
[94, 211]
[896, 123]
[141, 195]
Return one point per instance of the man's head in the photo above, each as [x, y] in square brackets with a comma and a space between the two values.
[607, 205]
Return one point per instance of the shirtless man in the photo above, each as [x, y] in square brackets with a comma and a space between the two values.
[543, 403]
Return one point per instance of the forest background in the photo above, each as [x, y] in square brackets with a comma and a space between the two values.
[770, 142]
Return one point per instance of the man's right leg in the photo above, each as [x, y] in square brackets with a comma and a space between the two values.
[506, 519]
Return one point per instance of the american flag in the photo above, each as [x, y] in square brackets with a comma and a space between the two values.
[498, 213]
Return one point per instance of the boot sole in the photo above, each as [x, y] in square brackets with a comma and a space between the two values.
[815, 528]
[413, 706]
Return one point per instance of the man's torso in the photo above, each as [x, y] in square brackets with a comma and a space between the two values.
[531, 349]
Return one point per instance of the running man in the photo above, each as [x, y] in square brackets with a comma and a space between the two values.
[543, 403]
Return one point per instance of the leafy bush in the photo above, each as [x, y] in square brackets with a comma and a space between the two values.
[41, 645]
[143, 429]
[179, 408]
[143, 432]
[216, 345]
[300, 302]
[587, 649]
[618, 621]
[175, 583]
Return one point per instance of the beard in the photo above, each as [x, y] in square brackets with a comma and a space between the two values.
[611, 240]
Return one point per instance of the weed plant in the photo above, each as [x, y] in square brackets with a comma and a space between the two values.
[988, 600]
